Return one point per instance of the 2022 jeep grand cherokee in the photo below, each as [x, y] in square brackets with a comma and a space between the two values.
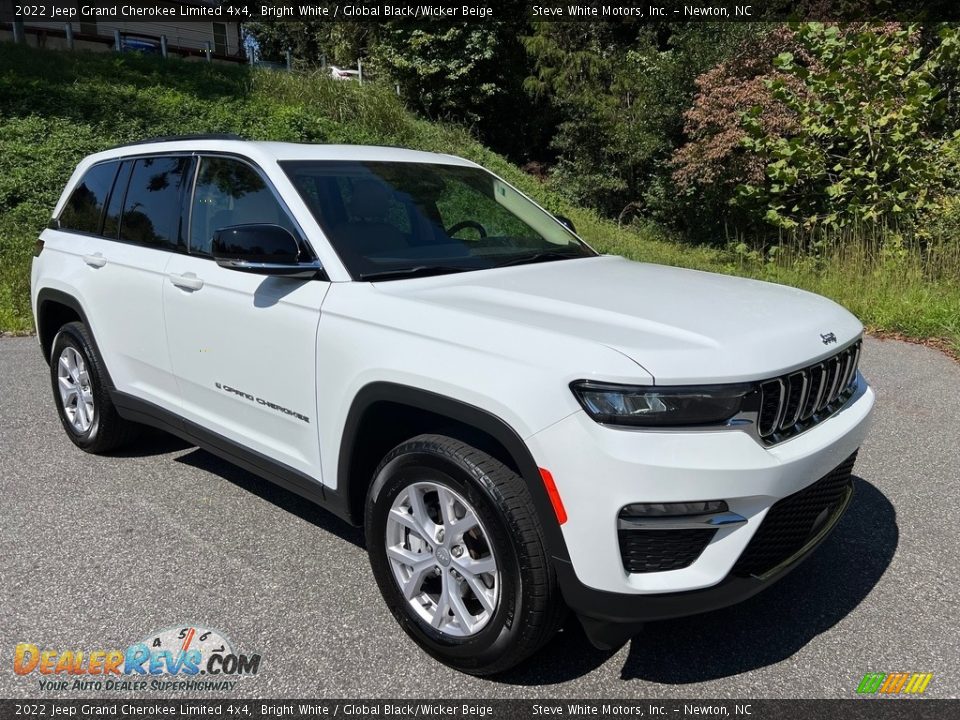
[522, 425]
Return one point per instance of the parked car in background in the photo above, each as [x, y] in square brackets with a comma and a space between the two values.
[132, 43]
[344, 74]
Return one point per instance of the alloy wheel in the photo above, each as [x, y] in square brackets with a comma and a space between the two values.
[76, 394]
[442, 559]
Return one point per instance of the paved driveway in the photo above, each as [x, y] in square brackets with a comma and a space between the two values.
[98, 552]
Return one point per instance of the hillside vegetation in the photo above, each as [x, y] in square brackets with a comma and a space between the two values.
[56, 107]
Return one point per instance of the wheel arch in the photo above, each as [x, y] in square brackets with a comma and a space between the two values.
[55, 308]
[384, 414]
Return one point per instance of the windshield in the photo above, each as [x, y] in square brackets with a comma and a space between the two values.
[389, 220]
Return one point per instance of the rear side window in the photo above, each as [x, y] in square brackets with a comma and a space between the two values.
[151, 211]
[111, 218]
[85, 206]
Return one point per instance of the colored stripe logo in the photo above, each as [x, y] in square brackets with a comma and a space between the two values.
[894, 683]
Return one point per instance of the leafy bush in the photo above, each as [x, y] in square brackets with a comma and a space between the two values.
[713, 162]
[864, 99]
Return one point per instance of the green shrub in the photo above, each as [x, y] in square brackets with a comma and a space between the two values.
[863, 149]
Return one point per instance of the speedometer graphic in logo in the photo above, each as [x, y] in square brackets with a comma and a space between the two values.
[184, 639]
[193, 650]
[204, 648]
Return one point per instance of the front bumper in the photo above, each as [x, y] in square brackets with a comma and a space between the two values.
[599, 470]
[611, 618]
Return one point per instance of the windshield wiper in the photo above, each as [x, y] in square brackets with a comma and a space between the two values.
[540, 256]
[411, 272]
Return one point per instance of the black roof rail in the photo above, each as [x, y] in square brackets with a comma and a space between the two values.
[174, 138]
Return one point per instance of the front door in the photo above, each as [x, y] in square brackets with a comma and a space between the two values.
[243, 346]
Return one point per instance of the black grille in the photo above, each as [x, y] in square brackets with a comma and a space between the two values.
[792, 522]
[646, 551]
[796, 402]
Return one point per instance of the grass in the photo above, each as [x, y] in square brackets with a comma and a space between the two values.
[56, 107]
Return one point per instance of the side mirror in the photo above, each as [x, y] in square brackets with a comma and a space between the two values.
[262, 249]
[567, 223]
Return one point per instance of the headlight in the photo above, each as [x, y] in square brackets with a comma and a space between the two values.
[660, 406]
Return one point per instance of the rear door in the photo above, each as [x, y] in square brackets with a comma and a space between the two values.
[126, 221]
[243, 346]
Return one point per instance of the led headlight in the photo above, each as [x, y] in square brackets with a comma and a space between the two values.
[660, 406]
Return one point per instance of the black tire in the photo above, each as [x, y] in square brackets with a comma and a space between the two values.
[530, 608]
[107, 430]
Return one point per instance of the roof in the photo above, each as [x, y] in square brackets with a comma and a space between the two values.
[278, 151]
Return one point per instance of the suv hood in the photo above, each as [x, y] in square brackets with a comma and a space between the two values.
[681, 326]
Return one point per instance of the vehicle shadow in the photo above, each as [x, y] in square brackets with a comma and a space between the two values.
[151, 442]
[764, 630]
[283, 499]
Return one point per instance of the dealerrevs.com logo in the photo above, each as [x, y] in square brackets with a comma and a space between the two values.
[183, 658]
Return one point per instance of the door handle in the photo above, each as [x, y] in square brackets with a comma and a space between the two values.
[97, 260]
[187, 281]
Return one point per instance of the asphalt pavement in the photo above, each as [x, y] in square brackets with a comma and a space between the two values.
[101, 552]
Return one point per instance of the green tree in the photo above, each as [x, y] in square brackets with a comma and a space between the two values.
[574, 66]
[864, 150]
[466, 72]
[311, 42]
[620, 90]
[469, 73]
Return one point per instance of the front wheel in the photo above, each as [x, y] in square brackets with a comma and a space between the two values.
[457, 551]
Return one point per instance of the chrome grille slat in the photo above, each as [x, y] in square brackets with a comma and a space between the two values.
[856, 362]
[852, 368]
[771, 407]
[793, 399]
[841, 372]
[847, 364]
[833, 371]
[796, 402]
[817, 375]
[833, 367]
[807, 391]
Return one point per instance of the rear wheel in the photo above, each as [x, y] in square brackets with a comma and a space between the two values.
[80, 391]
[458, 553]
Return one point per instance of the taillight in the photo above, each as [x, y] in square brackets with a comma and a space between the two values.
[38, 248]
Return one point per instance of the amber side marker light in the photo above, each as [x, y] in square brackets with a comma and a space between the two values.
[554, 495]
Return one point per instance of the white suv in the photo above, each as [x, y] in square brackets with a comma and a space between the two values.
[521, 425]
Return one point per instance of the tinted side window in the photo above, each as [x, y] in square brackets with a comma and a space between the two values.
[230, 192]
[151, 212]
[111, 219]
[85, 206]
